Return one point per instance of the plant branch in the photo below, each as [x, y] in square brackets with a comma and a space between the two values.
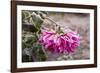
[52, 21]
[56, 28]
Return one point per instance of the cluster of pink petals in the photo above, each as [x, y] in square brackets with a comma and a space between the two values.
[65, 43]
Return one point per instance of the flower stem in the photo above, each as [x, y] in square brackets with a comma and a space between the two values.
[52, 21]
[57, 27]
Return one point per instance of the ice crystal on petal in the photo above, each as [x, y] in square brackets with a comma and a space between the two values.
[60, 43]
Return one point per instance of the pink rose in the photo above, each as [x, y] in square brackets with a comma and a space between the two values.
[65, 43]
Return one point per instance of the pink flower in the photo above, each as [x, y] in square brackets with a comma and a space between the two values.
[65, 43]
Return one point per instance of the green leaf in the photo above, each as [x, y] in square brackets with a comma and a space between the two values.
[25, 14]
[37, 20]
[27, 55]
[39, 53]
[28, 40]
[23, 45]
[33, 17]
